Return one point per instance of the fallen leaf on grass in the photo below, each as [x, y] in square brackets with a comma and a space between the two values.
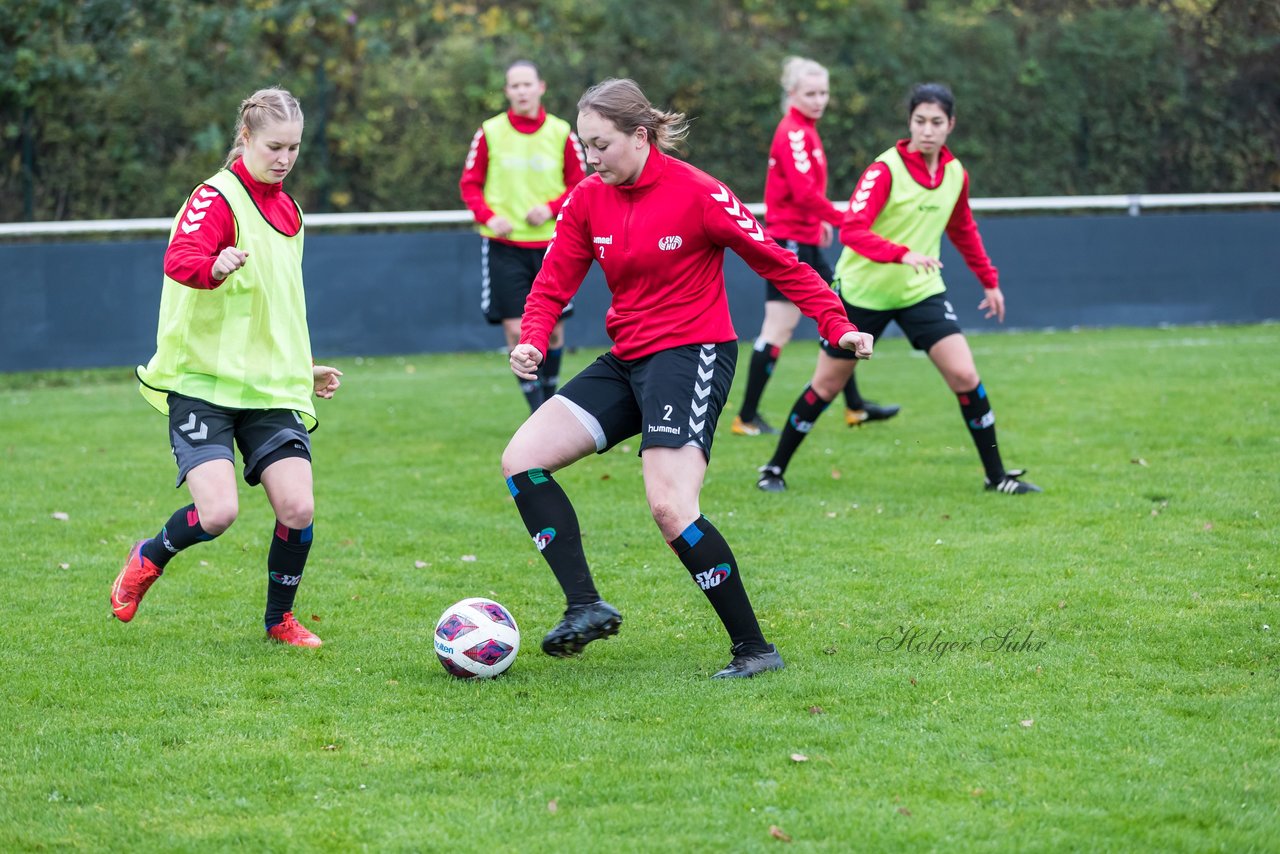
[913, 680]
[903, 811]
[331, 747]
[831, 650]
[64, 566]
[777, 833]
[420, 564]
[315, 618]
[552, 806]
[799, 757]
[1208, 526]
[817, 710]
[1138, 461]
[468, 558]
[835, 474]
[977, 793]
[606, 476]
[1028, 722]
[60, 516]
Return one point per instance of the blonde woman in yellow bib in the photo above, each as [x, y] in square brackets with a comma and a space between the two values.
[233, 363]
[889, 272]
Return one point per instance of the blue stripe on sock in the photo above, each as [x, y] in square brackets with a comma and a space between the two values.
[691, 535]
[304, 535]
[511, 485]
[982, 392]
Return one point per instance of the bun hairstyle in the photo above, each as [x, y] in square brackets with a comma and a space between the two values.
[932, 93]
[794, 69]
[622, 103]
[259, 110]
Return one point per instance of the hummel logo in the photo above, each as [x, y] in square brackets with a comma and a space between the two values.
[742, 217]
[190, 429]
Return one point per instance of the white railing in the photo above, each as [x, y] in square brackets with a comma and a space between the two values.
[1134, 204]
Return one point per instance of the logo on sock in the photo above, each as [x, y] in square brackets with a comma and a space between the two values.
[543, 538]
[164, 541]
[985, 421]
[713, 577]
[286, 580]
[801, 426]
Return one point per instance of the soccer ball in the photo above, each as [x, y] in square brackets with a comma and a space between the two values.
[476, 638]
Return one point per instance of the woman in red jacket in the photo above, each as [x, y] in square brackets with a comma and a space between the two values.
[658, 228]
[889, 271]
[802, 219]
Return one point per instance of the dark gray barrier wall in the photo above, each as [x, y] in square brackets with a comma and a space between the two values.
[94, 304]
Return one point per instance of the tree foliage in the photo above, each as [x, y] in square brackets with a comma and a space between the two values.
[112, 108]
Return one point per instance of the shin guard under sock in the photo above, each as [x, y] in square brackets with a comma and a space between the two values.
[552, 523]
[981, 422]
[704, 552]
[532, 391]
[180, 532]
[764, 356]
[549, 372]
[852, 397]
[804, 414]
[285, 561]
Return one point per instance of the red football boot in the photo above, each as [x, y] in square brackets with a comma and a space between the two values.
[293, 633]
[132, 583]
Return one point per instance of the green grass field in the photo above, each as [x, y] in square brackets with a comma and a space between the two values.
[1135, 704]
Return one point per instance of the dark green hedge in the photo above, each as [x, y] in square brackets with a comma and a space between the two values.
[111, 108]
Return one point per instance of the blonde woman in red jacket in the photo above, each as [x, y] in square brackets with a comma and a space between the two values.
[658, 228]
[802, 219]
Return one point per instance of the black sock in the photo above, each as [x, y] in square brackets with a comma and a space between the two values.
[852, 397]
[180, 532]
[981, 421]
[532, 391]
[763, 358]
[550, 519]
[285, 562]
[549, 372]
[801, 420]
[707, 556]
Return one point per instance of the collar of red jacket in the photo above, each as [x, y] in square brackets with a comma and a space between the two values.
[914, 161]
[649, 175]
[524, 124]
[259, 189]
[801, 117]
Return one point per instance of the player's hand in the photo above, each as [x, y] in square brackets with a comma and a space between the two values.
[500, 225]
[228, 261]
[860, 343]
[993, 302]
[525, 359]
[326, 380]
[828, 235]
[538, 214]
[921, 263]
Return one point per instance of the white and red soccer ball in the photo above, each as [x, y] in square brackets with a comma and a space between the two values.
[476, 638]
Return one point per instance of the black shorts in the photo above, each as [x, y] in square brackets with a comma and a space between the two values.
[201, 431]
[925, 324]
[672, 398]
[506, 277]
[808, 254]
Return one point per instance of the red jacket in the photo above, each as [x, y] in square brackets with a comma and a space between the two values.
[660, 243]
[869, 199]
[795, 188]
[207, 227]
[476, 169]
